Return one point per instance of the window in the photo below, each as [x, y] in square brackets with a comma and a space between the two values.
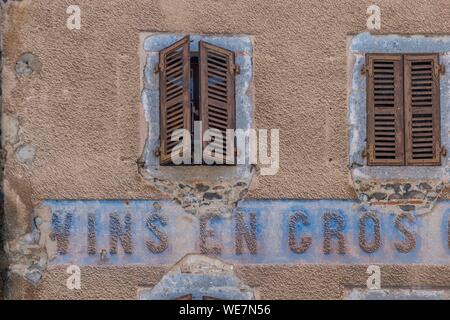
[403, 110]
[196, 86]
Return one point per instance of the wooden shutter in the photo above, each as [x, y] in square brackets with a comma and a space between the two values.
[217, 90]
[385, 134]
[422, 110]
[174, 68]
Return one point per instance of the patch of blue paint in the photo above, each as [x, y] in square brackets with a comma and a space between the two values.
[158, 42]
[366, 42]
[272, 233]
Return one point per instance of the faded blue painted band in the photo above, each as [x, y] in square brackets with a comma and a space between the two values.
[281, 232]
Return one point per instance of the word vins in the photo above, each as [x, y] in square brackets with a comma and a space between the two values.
[257, 232]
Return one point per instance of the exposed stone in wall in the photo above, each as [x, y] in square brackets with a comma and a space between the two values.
[24, 254]
[25, 154]
[13, 142]
[406, 196]
[28, 254]
[27, 64]
[195, 197]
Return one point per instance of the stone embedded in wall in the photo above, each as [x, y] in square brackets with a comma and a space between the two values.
[27, 64]
[10, 129]
[417, 196]
[25, 154]
[28, 255]
[198, 197]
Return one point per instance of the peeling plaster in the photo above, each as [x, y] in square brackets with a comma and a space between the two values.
[10, 129]
[28, 254]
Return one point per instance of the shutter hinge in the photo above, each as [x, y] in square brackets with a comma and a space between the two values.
[439, 69]
[367, 70]
[157, 151]
[443, 151]
[158, 68]
[368, 152]
[236, 69]
[140, 162]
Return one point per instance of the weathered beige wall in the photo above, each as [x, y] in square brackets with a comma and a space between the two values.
[82, 113]
[270, 282]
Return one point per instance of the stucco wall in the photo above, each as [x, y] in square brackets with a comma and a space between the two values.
[270, 282]
[81, 113]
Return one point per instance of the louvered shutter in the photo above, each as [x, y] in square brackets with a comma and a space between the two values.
[217, 91]
[385, 134]
[422, 110]
[174, 68]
